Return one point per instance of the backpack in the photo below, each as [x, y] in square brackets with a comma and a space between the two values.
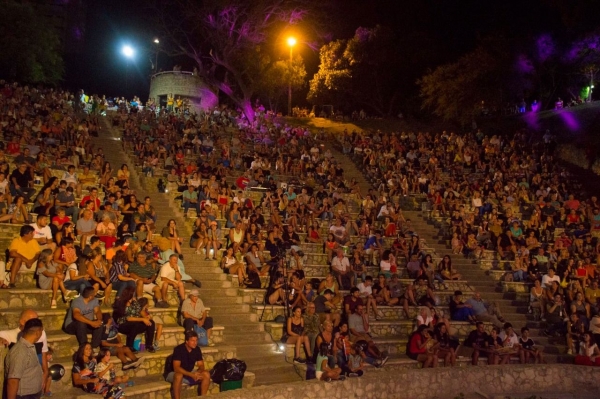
[228, 370]
[168, 366]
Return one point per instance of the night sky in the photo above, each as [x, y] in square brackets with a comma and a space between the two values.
[447, 28]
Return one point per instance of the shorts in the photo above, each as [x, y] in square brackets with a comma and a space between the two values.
[148, 288]
[186, 380]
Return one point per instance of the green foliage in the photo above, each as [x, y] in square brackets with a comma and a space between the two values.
[30, 47]
[361, 70]
[276, 78]
[458, 91]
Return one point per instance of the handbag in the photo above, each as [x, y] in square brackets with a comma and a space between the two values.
[202, 337]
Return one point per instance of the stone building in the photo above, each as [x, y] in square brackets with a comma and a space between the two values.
[185, 85]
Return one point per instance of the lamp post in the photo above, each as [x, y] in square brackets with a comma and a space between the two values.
[291, 41]
[128, 52]
[157, 42]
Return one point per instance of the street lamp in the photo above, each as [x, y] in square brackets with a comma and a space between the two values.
[291, 41]
[157, 42]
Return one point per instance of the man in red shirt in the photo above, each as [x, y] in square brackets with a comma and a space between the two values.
[92, 196]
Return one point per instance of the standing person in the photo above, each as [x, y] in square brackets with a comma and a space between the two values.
[83, 317]
[195, 314]
[25, 376]
[186, 357]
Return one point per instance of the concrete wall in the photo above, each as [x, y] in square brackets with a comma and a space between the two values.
[442, 383]
[183, 84]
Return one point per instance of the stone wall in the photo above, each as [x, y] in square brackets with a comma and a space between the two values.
[442, 383]
[183, 84]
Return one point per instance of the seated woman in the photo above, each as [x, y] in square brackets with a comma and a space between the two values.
[170, 231]
[127, 312]
[589, 354]
[199, 239]
[107, 232]
[98, 270]
[18, 210]
[445, 348]
[446, 270]
[51, 277]
[295, 335]
[461, 311]
[84, 375]
[418, 345]
[67, 230]
[65, 255]
[230, 265]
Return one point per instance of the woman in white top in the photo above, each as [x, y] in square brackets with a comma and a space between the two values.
[589, 354]
[424, 317]
[230, 265]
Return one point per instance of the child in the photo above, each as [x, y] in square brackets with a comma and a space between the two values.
[47, 391]
[355, 363]
[529, 349]
[457, 245]
[324, 372]
[106, 370]
[143, 302]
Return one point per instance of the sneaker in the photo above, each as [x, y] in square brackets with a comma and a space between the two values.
[342, 377]
[53, 304]
[151, 349]
[328, 379]
[99, 296]
[136, 363]
[155, 346]
[129, 365]
[383, 361]
[162, 304]
[353, 375]
[297, 360]
[70, 295]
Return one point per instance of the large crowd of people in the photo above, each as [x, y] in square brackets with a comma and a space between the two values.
[91, 235]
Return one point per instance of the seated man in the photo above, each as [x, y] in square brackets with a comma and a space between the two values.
[66, 200]
[485, 312]
[352, 300]
[186, 357]
[195, 315]
[85, 317]
[23, 250]
[477, 340]
[358, 323]
[42, 233]
[170, 275]
[190, 200]
[324, 308]
[144, 275]
[366, 294]
[340, 266]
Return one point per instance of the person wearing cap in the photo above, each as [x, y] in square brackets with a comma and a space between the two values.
[196, 315]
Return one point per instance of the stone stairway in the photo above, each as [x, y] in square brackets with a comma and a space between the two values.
[243, 330]
[514, 305]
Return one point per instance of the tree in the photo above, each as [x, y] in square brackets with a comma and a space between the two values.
[30, 46]
[232, 41]
[460, 90]
[584, 57]
[362, 69]
[277, 76]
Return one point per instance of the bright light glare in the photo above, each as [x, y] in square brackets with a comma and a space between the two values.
[291, 41]
[128, 51]
[156, 41]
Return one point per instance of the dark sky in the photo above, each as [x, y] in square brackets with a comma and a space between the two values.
[451, 26]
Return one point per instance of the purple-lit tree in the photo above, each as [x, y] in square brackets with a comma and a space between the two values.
[233, 42]
[584, 55]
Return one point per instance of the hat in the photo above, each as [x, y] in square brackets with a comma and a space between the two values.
[194, 292]
[213, 223]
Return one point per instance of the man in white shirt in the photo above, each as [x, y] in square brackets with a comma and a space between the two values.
[547, 279]
[366, 293]
[42, 233]
[340, 266]
[10, 337]
[171, 276]
[339, 232]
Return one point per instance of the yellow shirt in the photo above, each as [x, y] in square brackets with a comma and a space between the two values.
[27, 249]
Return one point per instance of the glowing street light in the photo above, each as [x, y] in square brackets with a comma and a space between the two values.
[156, 41]
[291, 41]
[128, 51]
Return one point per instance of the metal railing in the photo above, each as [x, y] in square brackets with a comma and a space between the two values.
[173, 73]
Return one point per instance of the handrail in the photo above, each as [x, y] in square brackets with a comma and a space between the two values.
[173, 73]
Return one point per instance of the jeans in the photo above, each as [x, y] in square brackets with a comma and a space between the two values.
[187, 205]
[30, 396]
[133, 328]
[518, 276]
[188, 324]
[119, 286]
[78, 285]
[80, 330]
